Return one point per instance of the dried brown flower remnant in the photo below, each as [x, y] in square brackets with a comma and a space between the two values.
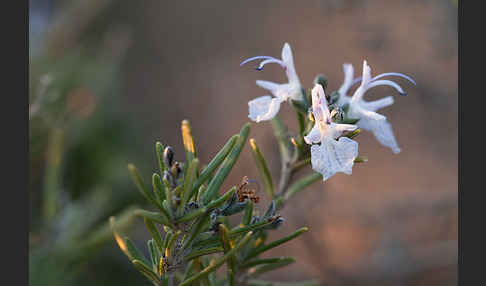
[244, 193]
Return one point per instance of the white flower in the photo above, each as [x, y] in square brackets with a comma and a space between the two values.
[266, 107]
[365, 111]
[332, 155]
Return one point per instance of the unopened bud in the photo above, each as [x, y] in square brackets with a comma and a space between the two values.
[176, 170]
[322, 80]
[168, 157]
[337, 114]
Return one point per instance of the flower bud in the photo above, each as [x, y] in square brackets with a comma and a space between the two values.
[322, 80]
[337, 114]
[168, 157]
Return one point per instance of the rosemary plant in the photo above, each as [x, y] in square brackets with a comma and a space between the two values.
[191, 234]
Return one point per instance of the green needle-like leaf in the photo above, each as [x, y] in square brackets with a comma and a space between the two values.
[271, 266]
[154, 255]
[227, 165]
[159, 150]
[225, 241]
[158, 188]
[134, 252]
[280, 132]
[201, 252]
[275, 243]
[256, 262]
[146, 271]
[248, 214]
[156, 217]
[262, 167]
[215, 162]
[191, 215]
[221, 200]
[218, 262]
[189, 177]
[299, 185]
[155, 233]
[141, 186]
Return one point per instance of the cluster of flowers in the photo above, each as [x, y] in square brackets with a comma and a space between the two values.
[330, 152]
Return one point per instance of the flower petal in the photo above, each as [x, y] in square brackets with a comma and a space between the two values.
[314, 136]
[348, 79]
[382, 130]
[319, 104]
[288, 60]
[263, 108]
[268, 85]
[334, 156]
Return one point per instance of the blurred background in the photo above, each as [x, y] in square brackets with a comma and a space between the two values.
[109, 78]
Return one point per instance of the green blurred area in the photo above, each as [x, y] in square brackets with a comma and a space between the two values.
[79, 145]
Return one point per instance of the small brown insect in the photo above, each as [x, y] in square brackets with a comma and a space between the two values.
[244, 193]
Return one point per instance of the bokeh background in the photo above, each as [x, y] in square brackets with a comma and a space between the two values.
[109, 78]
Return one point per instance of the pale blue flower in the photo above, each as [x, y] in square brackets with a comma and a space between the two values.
[365, 111]
[266, 107]
[334, 153]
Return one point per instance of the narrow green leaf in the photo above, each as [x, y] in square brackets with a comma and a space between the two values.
[300, 106]
[200, 192]
[191, 215]
[167, 237]
[225, 241]
[135, 253]
[189, 177]
[281, 134]
[155, 233]
[218, 262]
[154, 255]
[141, 186]
[196, 228]
[256, 262]
[158, 188]
[188, 140]
[215, 162]
[271, 266]
[262, 167]
[146, 271]
[159, 150]
[248, 214]
[275, 243]
[227, 165]
[299, 185]
[221, 200]
[201, 252]
[154, 216]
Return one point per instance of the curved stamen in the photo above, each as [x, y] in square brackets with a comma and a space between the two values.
[269, 61]
[389, 83]
[394, 74]
[255, 58]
